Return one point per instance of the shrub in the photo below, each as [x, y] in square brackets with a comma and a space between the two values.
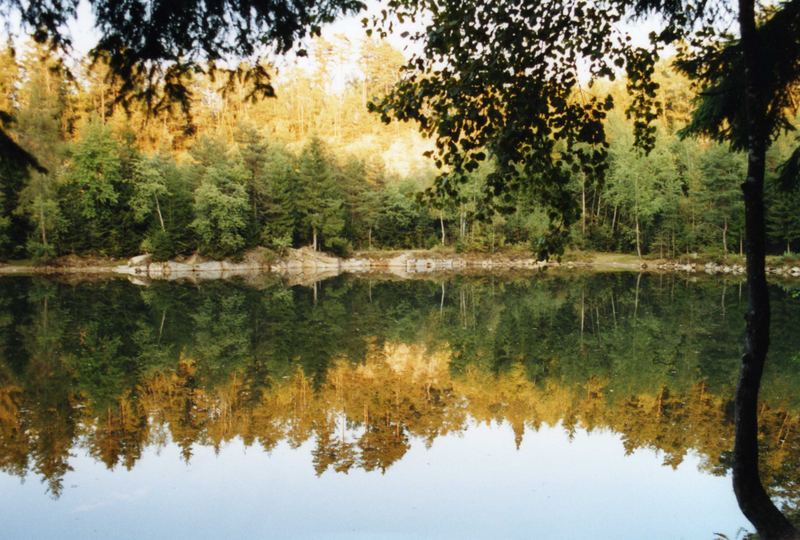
[39, 252]
[340, 246]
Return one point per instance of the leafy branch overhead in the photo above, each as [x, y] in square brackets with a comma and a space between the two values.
[518, 81]
[717, 69]
[510, 79]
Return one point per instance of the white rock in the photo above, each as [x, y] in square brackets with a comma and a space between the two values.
[208, 267]
[140, 260]
[125, 269]
[158, 270]
[180, 268]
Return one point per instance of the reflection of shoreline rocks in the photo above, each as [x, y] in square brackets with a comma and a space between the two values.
[305, 262]
[305, 265]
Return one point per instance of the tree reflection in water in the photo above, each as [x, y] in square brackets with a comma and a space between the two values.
[373, 365]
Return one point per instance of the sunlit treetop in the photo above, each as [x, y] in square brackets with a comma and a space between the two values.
[152, 47]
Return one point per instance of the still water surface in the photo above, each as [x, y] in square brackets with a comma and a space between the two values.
[594, 406]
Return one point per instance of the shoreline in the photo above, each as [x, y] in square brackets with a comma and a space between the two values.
[304, 262]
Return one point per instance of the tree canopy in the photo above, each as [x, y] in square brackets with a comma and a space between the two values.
[152, 49]
[523, 82]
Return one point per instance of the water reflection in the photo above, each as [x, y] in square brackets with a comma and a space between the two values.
[361, 371]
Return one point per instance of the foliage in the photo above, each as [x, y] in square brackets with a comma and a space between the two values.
[221, 205]
[318, 201]
[151, 53]
[511, 92]
[114, 190]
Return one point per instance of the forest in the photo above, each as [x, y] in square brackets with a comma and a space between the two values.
[313, 167]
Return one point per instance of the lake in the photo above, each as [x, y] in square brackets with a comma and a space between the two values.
[536, 406]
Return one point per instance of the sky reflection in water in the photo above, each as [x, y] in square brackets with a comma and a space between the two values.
[477, 485]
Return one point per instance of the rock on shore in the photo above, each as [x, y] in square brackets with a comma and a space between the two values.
[305, 261]
[307, 266]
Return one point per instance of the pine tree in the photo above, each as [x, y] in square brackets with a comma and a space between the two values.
[43, 124]
[254, 154]
[277, 202]
[12, 178]
[221, 204]
[722, 173]
[318, 199]
[92, 191]
[783, 213]
[149, 187]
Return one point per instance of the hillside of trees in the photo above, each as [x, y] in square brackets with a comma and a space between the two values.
[313, 167]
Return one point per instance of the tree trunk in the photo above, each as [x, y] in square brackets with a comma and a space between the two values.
[597, 212]
[364, 93]
[160, 217]
[672, 251]
[42, 228]
[161, 326]
[583, 205]
[638, 239]
[369, 237]
[314, 238]
[722, 302]
[750, 493]
[254, 200]
[614, 220]
[725, 237]
[441, 223]
[636, 215]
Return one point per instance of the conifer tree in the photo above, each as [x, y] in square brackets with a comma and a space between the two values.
[42, 125]
[221, 205]
[318, 198]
